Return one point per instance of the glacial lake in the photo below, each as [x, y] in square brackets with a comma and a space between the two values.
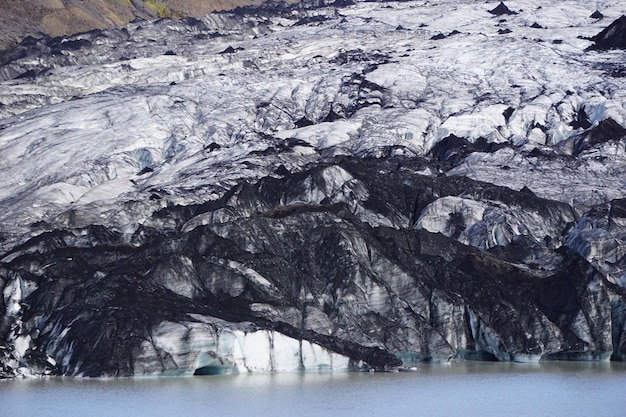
[462, 389]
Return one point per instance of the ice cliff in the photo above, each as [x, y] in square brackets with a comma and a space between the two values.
[316, 186]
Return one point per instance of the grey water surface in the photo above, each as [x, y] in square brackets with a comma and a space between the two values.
[461, 389]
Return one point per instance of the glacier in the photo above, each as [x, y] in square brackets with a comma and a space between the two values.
[347, 185]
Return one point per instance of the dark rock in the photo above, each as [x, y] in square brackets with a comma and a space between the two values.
[30, 74]
[581, 120]
[618, 73]
[606, 131]
[507, 113]
[452, 150]
[444, 36]
[213, 146]
[331, 117]
[195, 23]
[231, 50]
[302, 122]
[30, 41]
[358, 55]
[536, 26]
[597, 15]
[282, 171]
[343, 3]
[63, 44]
[355, 93]
[618, 208]
[291, 142]
[311, 20]
[501, 9]
[504, 31]
[613, 37]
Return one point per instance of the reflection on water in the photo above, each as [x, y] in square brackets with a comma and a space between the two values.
[462, 389]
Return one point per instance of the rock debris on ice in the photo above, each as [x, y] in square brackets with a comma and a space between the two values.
[316, 186]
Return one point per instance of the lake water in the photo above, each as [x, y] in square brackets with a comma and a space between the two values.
[463, 389]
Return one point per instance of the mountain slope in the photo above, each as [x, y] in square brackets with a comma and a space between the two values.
[35, 18]
[310, 186]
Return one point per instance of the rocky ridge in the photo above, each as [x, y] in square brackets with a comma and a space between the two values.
[314, 186]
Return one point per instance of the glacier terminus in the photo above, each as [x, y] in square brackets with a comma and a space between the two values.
[319, 185]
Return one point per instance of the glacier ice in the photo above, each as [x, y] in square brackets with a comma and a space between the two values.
[314, 186]
[215, 347]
